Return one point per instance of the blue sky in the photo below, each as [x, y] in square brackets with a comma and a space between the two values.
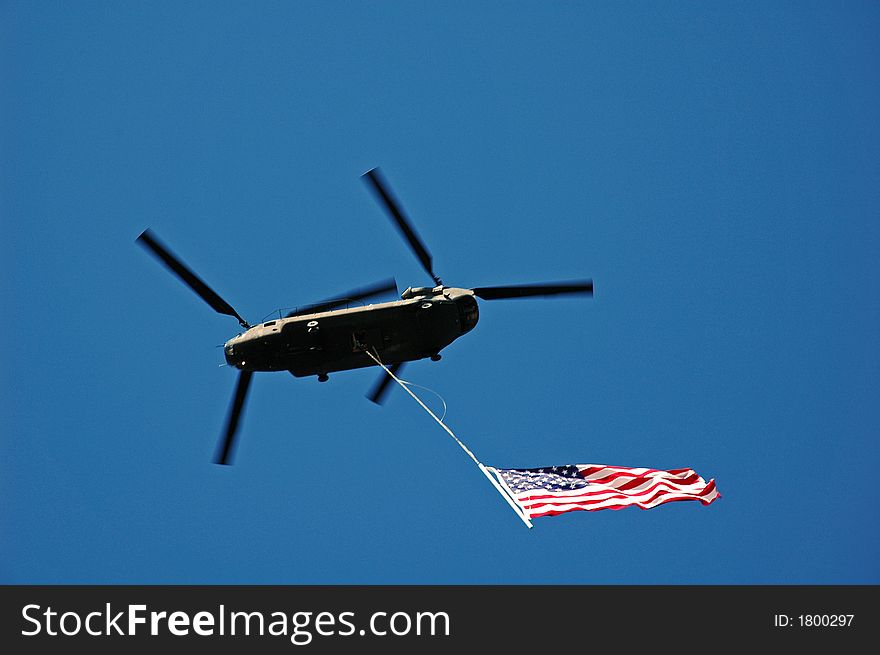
[714, 168]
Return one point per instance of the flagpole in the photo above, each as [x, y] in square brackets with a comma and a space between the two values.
[479, 464]
[509, 500]
[509, 492]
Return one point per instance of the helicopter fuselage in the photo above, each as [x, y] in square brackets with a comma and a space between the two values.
[323, 338]
[420, 325]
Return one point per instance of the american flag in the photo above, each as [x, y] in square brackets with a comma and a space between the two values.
[557, 489]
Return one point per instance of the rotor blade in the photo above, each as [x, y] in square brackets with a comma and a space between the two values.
[525, 290]
[380, 188]
[149, 241]
[377, 289]
[377, 394]
[225, 447]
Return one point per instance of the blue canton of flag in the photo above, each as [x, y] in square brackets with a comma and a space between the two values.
[551, 478]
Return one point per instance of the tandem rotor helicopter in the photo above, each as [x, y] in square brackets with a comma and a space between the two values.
[332, 336]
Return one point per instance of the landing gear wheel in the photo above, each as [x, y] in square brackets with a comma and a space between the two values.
[435, 358]
[323, 377]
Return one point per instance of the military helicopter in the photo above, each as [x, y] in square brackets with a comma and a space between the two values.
[336, 335]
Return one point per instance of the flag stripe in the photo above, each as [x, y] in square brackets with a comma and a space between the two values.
[615, 503]
[590, 502]
[558, 511]
[623, 476]
[646, 487]
[593, 468]
[606, 496]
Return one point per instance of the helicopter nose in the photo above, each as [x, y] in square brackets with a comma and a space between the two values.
[468, 312]
[232, 356]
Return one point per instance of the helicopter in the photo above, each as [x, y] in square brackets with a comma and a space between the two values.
[342, 333]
